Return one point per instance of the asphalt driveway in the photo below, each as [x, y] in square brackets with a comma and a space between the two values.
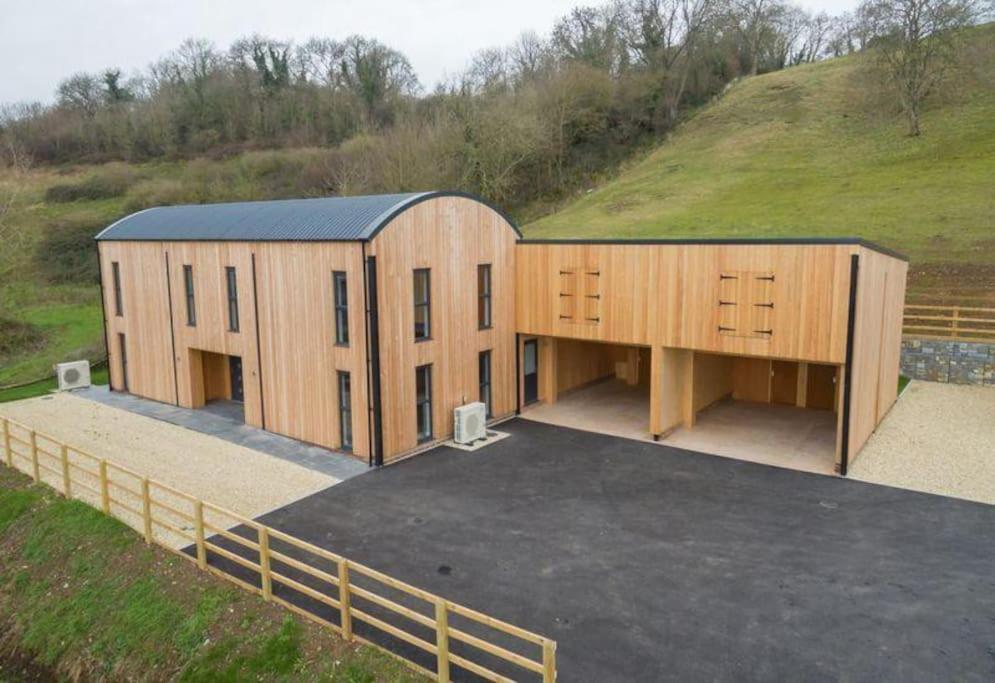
[648, 563]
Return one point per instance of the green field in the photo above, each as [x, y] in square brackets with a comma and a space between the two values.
[821, 150]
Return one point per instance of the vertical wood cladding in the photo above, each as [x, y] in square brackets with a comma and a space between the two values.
[296, 381]
[451, 236]
[144, 319]
[877, 344]
[785, 301]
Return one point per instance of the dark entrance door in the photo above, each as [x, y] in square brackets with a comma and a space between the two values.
[235, 367]
[531, 368]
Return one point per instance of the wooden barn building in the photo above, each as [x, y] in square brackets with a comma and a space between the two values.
[361, 323]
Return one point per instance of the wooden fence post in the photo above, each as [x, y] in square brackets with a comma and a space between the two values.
[6, 443]
[265, 576]
[198, 513]
[442, 639]
[35, 472]
[147, 510]
[548, 661]
[105, 493]
[345, 599]
[67, 482]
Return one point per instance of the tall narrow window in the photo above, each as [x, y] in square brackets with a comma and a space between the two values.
[123, 348]
[232, 281]
[423, 304]
[345, 410]
[341, 291]
[191, 305]
[484, 296]
[484, 370]
[118, 305]
[423, 401]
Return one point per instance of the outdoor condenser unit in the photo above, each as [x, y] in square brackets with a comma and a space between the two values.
[471, 423]
[73, 375]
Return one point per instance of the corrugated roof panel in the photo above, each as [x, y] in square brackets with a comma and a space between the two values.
[320, 219]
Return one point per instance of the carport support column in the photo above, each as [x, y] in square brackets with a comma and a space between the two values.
[656, 391]
[547, 369]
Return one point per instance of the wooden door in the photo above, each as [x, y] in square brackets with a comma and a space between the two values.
[821, 390]
[784, 382]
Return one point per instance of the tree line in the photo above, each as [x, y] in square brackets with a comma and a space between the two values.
[520, 121]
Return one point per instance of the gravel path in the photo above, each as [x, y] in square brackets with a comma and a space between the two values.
[938, 438]
[239, 479]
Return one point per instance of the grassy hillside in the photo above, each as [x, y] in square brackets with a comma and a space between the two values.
[820, 150]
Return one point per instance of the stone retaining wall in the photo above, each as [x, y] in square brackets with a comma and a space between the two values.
[941, 360]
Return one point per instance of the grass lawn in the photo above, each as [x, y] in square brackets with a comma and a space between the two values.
[42, 387]
[72, 331]
[81, 596]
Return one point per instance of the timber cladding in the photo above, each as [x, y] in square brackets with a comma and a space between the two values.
[783, 301]
[286, 340]
[289, 368]
[451, 237]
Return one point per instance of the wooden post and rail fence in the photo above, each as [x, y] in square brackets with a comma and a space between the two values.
[954, 323]
[427, 632]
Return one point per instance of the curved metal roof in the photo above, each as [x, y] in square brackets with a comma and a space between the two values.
[323, 219]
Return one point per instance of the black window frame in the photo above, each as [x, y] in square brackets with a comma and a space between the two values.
[484, 374]
[345, 410]
[231, 281]
[118, 299]
[485, 317]
[423, 403]
[426, 333]
[188, 289]
[341, 307]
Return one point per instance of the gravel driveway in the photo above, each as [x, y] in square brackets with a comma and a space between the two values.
[239, 479]
[938, 438]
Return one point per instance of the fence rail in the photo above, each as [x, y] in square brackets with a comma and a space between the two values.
[432, 635]
[962, 323]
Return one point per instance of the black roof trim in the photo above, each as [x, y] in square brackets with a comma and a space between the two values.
[827, 241]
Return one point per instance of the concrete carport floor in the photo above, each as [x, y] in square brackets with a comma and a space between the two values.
[649, 563]
[770, 434]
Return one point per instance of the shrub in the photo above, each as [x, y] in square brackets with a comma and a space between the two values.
[17, 337]
[66, 252]
[108, 183]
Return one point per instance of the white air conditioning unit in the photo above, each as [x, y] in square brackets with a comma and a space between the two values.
[471, 423]
[73, 375]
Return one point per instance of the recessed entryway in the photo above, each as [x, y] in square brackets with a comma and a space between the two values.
[217, 384]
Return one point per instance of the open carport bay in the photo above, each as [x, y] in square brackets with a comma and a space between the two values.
[650, 563]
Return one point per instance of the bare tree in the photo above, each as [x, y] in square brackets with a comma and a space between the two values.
[528, 56]
[663, 35]
[917, 41]
[83, 92]
[754, 18]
